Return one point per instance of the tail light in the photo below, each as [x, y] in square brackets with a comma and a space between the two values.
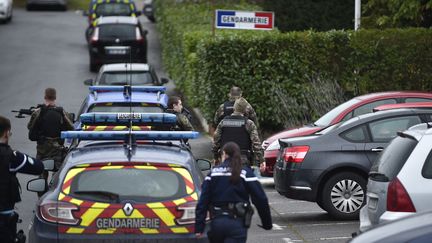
[95, 36]
[139, 37]
[398, 199]
[58, 212]
[188, 216]
[295, 154]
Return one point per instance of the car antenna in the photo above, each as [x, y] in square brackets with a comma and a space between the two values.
[128, 91]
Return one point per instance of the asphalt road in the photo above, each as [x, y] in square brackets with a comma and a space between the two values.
[43, 49]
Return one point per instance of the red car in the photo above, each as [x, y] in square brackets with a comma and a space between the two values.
[420, 105]
[345, 111]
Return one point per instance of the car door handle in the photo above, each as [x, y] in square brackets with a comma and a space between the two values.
[379, 149]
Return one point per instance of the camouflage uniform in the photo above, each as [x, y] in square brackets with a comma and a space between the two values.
[47, 147]
[253, 136]
[249, 113]
[183, 123]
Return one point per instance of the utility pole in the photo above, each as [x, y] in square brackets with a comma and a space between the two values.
[357, 14]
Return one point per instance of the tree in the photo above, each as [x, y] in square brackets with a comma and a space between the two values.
[397, 13]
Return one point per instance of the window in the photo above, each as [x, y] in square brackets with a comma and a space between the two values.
[367, 108]
[327, 119]
[385, 130]
[427, 167]
[123, 78]
[113, 9]
[114, 31]
[356, 134]
[413, 100]
[152, 185]
[392, 159]
[125, 107]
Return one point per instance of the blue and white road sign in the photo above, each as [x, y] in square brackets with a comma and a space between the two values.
[230, 19]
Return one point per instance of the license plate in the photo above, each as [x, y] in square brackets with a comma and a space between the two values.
[126, 116]
[116, 50]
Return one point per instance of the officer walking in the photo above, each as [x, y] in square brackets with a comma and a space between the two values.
[175, 106]
[241, 130]
[12, 162]
[225, 194]
[45, 126]
[227, 108]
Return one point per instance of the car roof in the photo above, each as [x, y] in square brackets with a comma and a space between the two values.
[136, 97]
[126, 67]
[117, 20]
[394, 94]
[403, 105]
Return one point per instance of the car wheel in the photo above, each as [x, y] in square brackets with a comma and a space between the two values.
[343, 195]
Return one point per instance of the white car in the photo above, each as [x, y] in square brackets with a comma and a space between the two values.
[127, 73]
[5, 10]
[400, 181]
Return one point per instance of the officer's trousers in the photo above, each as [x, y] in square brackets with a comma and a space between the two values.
[225, 229]
[8, 229]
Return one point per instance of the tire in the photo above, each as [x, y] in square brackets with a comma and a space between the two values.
[349, 195]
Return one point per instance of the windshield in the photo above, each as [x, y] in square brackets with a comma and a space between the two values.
[113, 9]
[114, 182]
[326, 119]
[125, 107]
[123, 78]
[114, 31]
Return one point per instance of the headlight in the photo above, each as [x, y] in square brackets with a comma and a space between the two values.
[274, 146]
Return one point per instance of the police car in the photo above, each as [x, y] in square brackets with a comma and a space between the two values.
[141, 190]
[123, 99]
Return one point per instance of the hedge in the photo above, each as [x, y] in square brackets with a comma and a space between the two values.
[289, 78]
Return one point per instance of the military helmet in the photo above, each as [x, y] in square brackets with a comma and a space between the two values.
[240, 105]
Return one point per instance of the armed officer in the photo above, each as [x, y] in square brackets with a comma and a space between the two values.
[227, 108]
[225, 193]
[241, 130]
[12, 162]
[175, 106]
[45, 126]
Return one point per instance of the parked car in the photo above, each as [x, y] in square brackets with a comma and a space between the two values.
[423, 105]
[400, 180]
[6, 10]
[117, 40]
[331, 166]
[32, 4]
[416, 228]
[352, 108]
[127, 73]
[108, 8]
[148, 10]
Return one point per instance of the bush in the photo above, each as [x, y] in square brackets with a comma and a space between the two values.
[289, 78]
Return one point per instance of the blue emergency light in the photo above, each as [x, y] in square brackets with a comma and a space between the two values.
[150, 89]
[122, 135]
[125, 118]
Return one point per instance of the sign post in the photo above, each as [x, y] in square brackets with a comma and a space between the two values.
[231, 19]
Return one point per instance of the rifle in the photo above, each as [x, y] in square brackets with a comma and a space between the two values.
[28, 111]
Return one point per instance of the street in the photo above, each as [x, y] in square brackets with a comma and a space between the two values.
[43, 49]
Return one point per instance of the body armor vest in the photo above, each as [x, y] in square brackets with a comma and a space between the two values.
[228, 108]
[51, 121]
[234, 130]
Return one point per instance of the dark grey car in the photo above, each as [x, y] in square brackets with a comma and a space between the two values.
[331, 167]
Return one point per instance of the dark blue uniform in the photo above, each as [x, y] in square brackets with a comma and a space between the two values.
[12, 162]
[218, 191]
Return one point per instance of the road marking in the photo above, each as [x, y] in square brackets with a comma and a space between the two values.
[337, 238]
[278, 227]
[288, 240]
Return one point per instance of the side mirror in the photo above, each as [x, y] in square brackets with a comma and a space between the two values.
[203, 164]
[48, 164]
[88, 82]
[164, 80]
[145, 32]
[37, 185]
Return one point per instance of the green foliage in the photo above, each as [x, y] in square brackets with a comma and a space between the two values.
[397, 13]
[319, 15]
[289, 78]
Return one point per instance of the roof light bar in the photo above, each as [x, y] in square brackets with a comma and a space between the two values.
[121, 135]
[152, 89]
[125, 118]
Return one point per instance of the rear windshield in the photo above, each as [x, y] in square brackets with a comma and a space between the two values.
[147, 184]
[122, 78]
[125, 107]
[113, 9]
[391, 160]
[114, 31]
